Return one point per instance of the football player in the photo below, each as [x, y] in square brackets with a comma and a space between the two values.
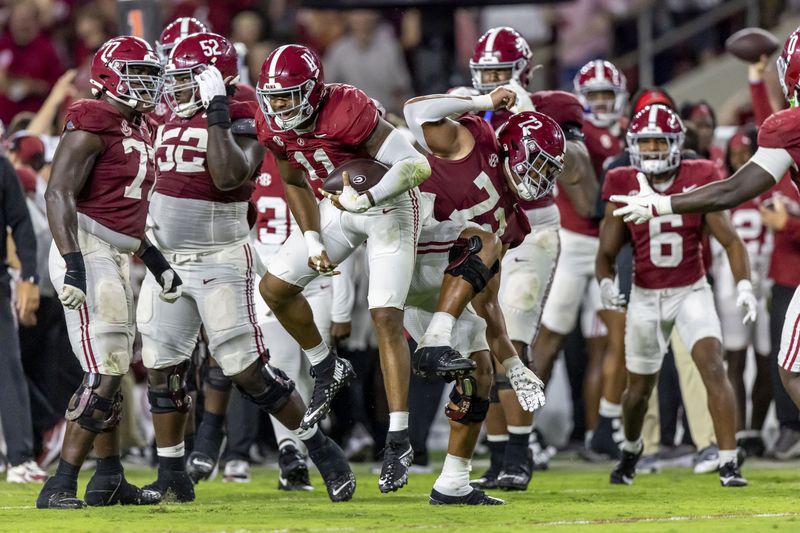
[503, 57]
[207, 153]
[778, 151]
[459, 251]
[670, 288]
[97, 204]
[313, 127]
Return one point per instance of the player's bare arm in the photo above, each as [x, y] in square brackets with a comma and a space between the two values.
[232, 159]
[720, 226]
[613, 235]
[578, 180]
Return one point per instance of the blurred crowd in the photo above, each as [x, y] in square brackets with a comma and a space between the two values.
[45, 49]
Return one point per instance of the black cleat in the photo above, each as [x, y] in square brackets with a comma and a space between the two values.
[200, 466]
[332, 465]
[441, 361]
[112, 489]
[605, 438]
[294, 472]
[397, 460]
[173, 486]
[52, 497]
[516, 476]
[475, 497]
[488, 480]
[337, 375]
[753, 445]
[625, 470]
[731, 476]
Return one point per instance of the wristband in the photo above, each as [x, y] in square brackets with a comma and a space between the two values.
[483, 102]
[664, 205]
[313, 243]
[744, 285]
[218, 112]
[155, 262]
[511, 363]
[76, 270]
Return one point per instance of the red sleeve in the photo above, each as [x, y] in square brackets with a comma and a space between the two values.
[243, 109]
[612, 183]
[792, 228]
[245, 92]
[561, 106]
[779, 130]
[762, 108]
[352, 117]
[92, 116]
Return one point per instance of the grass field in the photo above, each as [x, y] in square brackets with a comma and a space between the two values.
[571, 496]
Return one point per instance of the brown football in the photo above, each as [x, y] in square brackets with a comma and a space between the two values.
[749, 44]
[364, 173]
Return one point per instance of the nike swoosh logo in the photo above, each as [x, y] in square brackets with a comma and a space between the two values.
[324, 286]
[518, 260]
[389, 210]
[340, 489]
[207, 281]
[320, 135]
[689, 188]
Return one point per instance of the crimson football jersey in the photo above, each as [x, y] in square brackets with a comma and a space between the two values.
[181, 157]
[601, 145]
[780, 130]
[345, 119]
[162, 112]
[668, 250]
[273, 218]
[117, 190]
[475, 188]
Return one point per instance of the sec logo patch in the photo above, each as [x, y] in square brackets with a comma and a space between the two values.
[493, 160]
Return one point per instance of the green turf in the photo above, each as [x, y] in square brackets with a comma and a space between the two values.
[571, 496]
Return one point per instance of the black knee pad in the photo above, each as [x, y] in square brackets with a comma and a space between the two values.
[174, 396]
[470, 408]
[85, 405]
[215, 379]
[465, 263]
[279, 389]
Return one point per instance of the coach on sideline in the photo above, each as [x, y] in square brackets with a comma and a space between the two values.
[15, 410]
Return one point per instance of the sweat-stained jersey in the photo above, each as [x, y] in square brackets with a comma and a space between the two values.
[668, 250]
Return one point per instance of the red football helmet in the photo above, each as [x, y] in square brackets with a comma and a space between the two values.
[497, 49]
[127, 70]
[176, 30]
[789, 68]
[656, 122]
[533, 153]
[291, 76]
[600, 76]
[190, 57]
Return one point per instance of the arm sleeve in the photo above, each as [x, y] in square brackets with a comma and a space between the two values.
[407, 168]
[18, 218]
[776, 161]
[437, 107]
[344, 291]
[762, 108]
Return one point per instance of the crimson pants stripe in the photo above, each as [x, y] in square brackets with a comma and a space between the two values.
[250, 304]
[86, 341]
[793, 347]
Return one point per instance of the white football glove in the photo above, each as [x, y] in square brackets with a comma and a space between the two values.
[610, 296]
[527, 385]
[644, 205]
[171, 286]
[72, 297]
[211, 84]
[747, 300]
[352, 201]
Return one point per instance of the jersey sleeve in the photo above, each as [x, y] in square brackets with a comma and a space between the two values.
[561, 106]
[243, 115]
[779, 130]
[480, 129]
[351, 116]
[92, 116]
[613, 183]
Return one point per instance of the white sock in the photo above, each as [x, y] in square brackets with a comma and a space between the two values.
[610, 410]
[439, 331]
[587, 438]
[519, 430]
[497, 438]
[398, 420]
[318, 353]
[171, 451]
[728, 456]
[632, 446]
[305, 434]
[454, 479]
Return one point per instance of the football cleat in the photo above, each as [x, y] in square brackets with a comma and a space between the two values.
[488, 480]
[237, 471]
[474, 497]
[731, 476]
[707, 460]
[200, 466]
[293, 470]
[397, 460]
[27, 472]
[625, 470]
[336, 473]
[516, 476]
[336, 376]
[173, 485]
[111, 489]
[441, 361]
[607, 437]
[58, 498]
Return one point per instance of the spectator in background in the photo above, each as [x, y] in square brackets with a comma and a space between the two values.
[29, 65]
[216, 15]
[370, 57]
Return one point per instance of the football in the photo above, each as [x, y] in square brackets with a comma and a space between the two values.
[364, 173]
[749, 44]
